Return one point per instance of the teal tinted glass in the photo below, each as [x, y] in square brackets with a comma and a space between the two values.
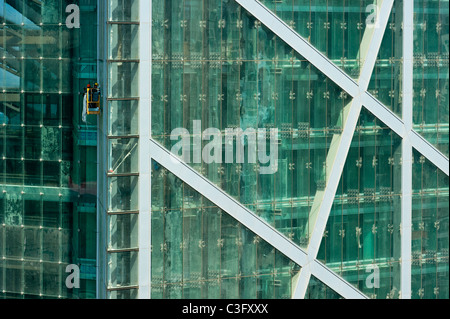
[386, 81]
[216, 64]
[334, 27]
[430, 236]
[431, 73]
[362, 237]
[318, 290]
[199, 251]
[47, 155]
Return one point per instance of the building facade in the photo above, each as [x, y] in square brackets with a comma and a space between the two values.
[48, 155]
[357, 203]
[245, 149]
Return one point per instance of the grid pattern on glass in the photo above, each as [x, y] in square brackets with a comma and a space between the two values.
[386, 81]
[47, 158]
[334, 27]
[123, 145]
[431, 72]
[122, 107]
[199, 251]
[34, 237]
[430, 232]
[215, 63]
[362, 238]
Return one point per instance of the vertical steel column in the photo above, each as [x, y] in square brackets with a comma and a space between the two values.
[145, 169]
[407, 111]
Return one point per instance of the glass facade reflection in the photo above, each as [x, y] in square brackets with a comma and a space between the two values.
[48, 155]
[249, 79]
[214, 65]
[430, 240]
[363, 230]
[431, 73]
[192, 65]
[334, 27]
[213, 61]
[200, 252]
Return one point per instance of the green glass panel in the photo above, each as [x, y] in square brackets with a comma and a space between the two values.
[123, 10]
[362, 238]
[318, 290]
[123, 231]
[123, 294]
[122, 270]
[430, 230]
[199, 251]
[47, 171]
[334, 27]
[248, 80]
[123, 156]
[431, 73]
[386, 80]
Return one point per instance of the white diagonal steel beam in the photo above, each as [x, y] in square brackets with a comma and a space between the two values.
[337, 75]
[334, 281]
[228, 204]
[424, 147]
[300, 45]
[384, 114]
[323, 200]
[247, 218]
[372, 39]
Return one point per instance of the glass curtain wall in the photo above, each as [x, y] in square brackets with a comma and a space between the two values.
[431, 72]
[363, 230]
[430, 266]
[430, 240]
[216, 64]
[47, 155]
[334, 27]
[201, 252]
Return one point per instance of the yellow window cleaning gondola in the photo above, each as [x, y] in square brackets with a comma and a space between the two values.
[93, 95]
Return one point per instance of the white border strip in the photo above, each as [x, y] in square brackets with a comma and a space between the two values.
[145, 86]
